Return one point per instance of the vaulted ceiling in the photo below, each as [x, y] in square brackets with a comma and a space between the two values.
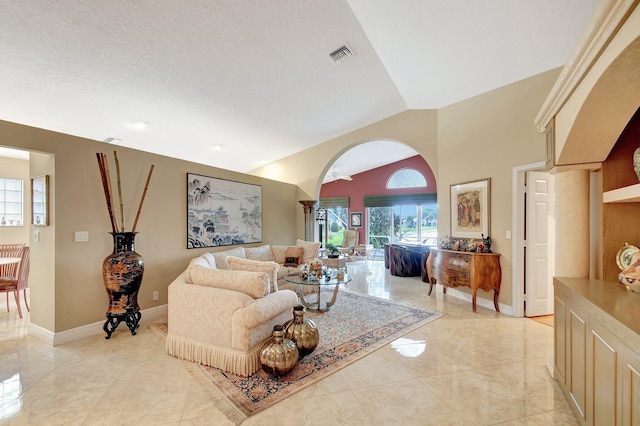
[240, 83]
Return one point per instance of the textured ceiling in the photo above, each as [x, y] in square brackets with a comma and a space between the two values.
[254, 76]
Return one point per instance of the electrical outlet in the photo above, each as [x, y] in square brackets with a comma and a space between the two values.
[155, 295]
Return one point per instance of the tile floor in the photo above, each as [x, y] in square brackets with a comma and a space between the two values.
[462, 369]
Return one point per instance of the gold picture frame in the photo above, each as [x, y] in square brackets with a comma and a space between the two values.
[470, 209]
[40, 200]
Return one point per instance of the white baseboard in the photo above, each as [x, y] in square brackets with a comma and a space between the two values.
[55, 339]
[485, 303]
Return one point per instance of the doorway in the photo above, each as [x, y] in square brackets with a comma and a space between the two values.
[533, 247]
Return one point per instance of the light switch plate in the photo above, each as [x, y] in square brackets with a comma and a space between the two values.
[82, 236]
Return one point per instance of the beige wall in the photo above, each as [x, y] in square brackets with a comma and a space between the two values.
[486, 137]
[66, 282]
[14, 168]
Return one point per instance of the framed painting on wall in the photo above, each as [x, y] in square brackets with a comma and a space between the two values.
[40, 200]
[470, 209]
[356, 220]
[222, 212]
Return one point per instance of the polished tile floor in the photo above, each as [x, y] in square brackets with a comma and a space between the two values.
[462, 369]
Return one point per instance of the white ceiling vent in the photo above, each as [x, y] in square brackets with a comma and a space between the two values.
[341, 55]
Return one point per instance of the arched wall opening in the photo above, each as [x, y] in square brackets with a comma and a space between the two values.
[362, 201]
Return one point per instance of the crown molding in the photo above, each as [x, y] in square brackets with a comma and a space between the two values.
[603, 26]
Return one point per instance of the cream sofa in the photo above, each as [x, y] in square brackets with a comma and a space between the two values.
[307, 251]
[224, 306]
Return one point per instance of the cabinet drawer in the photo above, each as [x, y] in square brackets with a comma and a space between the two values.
[457, 277]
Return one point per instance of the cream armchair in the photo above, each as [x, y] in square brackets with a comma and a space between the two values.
[221, 317]
[349, 241]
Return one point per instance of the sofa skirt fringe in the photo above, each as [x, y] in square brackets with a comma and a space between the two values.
[236, 362]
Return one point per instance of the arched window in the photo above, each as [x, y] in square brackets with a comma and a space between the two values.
[406, 178]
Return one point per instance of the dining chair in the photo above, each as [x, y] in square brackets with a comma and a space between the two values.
[10, 250]
[18, 282]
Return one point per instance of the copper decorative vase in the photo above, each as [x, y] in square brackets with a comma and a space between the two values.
[303, 332]
[279, 355]
[122, 273]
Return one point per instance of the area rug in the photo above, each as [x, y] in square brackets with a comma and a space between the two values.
[354, 327]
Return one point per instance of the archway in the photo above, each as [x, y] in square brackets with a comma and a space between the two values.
[356, 179]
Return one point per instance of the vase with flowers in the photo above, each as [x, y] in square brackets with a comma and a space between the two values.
[123, 269]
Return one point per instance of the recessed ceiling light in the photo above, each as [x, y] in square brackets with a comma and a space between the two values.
[217, 147]
[140, 124]
[114, 141]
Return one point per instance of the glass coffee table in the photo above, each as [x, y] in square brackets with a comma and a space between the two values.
[317, 284]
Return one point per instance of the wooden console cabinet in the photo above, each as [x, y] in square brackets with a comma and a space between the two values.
[467, 269]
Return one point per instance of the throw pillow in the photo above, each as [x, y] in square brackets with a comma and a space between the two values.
[205, 259]
[220, 256]
[310, 250]
[262, 253]
[271, 268]
[278, 253]
[254, 284]
[292, 256]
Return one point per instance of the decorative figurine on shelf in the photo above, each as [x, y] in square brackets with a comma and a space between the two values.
[304, 272]
[316, 269]
[471, 245]
[445, 243]
[486, 243]
[630, 277]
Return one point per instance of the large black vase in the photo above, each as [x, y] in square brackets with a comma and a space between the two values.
[122, 273]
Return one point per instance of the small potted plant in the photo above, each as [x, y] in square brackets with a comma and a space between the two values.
[334, 252]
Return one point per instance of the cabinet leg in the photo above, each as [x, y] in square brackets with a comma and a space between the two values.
[432, 282]
[474, 300]
[495, 300]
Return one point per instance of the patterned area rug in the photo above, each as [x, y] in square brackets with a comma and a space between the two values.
[354, 327]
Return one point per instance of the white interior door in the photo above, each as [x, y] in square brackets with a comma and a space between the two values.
[540, 244]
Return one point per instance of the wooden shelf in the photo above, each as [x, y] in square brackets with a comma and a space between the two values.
[627, 194]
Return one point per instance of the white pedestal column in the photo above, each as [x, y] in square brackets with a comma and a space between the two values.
[309, 219]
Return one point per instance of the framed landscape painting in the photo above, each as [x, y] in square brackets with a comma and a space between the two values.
[222, 212]
[470, 212]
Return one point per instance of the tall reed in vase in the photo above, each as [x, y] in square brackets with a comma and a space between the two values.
[123, 269]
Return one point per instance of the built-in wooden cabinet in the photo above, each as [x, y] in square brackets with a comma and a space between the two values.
[597, 350]
[620, 198]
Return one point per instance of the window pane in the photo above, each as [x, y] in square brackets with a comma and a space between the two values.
[407, 178]
[13, 197]
[406, 229]
[429, 224]
[13, 185]
[337, 223]
[10, 202]
[379, 225]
